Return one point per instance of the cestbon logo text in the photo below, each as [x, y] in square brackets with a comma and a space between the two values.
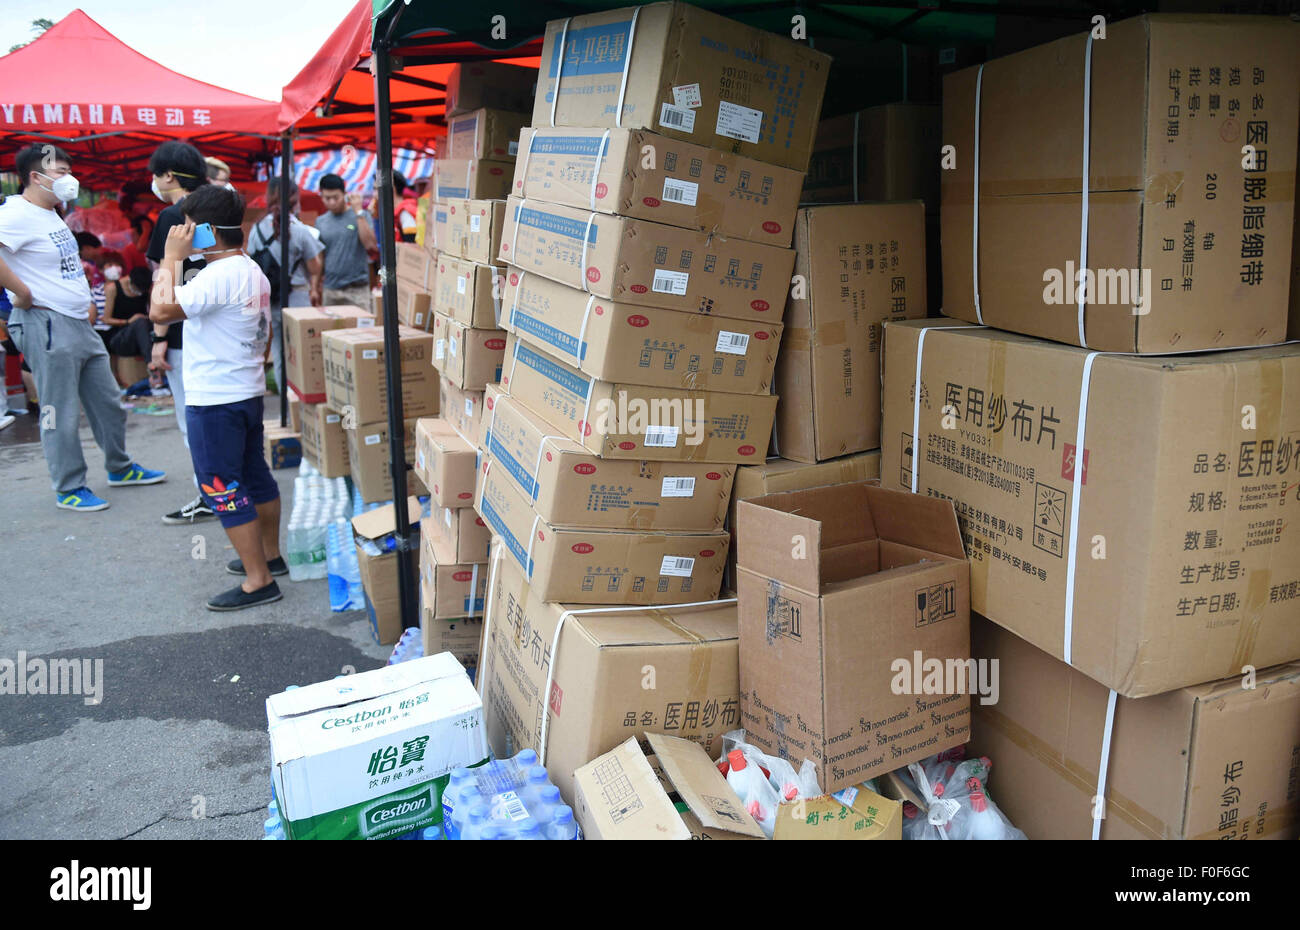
[392, 813]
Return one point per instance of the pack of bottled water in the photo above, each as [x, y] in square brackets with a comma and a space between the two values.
[409, 646]
[318, 502]
[346, 592]
[506, 799]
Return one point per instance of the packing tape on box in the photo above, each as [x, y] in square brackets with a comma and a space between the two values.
[975, 218]
[627, 65]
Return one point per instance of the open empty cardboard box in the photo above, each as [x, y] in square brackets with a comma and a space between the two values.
[837, 586]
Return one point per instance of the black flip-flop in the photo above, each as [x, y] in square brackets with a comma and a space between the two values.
[277, 566]
[237, 598]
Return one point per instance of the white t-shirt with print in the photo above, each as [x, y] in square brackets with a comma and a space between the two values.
[41, 249]
[227, 324]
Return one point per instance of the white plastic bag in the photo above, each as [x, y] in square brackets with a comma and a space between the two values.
[765, 782]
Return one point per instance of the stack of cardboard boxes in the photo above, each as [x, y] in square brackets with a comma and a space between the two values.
[1125, 509]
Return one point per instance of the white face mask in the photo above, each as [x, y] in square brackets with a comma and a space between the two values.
[157, 191]
[65, 188]
[112, 273]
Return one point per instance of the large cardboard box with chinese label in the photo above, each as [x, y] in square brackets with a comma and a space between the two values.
[632, 421]
[461, 636]
[469, 358]
[303, 353]
[569, 485]
[485, 133]
[779, 474]
[368, 756]
[597, 695]
[469, 229]
[1185, 564]
[684, 184]
[324, 441]
[1187, 240]
[417, 265]
[601, 566]
[1212, 761]
[464, 532]
[687, 73]
[462, 409]
[368, 460]
[448, 588]
[471, 179]
[847, 593]
[647, 264]
[888, 152]
[473, 85]
[468, 292]
[445, 463]
[355, 373]
[377, 561]
[858, 265]
[667, 348]
[624, 795]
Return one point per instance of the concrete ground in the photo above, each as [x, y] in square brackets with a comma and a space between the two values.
[177, 749]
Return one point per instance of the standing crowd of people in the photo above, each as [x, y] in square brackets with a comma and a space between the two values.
[195, 299]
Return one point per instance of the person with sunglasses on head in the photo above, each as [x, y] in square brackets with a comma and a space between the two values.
[40, 267]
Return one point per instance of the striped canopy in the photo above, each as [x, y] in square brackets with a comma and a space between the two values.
[355, 166]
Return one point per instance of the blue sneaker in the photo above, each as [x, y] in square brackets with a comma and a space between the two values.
[80, 499]
[136, 474]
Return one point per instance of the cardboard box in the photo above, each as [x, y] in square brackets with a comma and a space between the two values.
[620, 796]
[570, 486]
[355, 373]
[414, 306]
[469, 229]
[324, 441]
[469, 358]
[372, 532]
[282, 447]
[462, 409]
[667, 348]
[368, 460]
[687, 73]
[888, 152]
[460, 636]
[855, 813]
[471, 179]
[601, 566]
[847, 593]
[303, 354]
[596, 699]
[1293, 325]
[485, 133]
[1212, 761]
[423, 719]
[647, 264]
[464, 532]
[1200, 561]
[778, 474]
[417, 265]
[861, 264]
[615, 420]
[445, 463]
[1159, 139]
[295, 410]
[468, 292]
[686, 185]
[473, 85]
[448, 589]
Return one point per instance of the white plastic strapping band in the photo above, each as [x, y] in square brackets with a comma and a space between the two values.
[586, 237]
[586, 411]
[514, 240]
[1083, 213]
[528, 154]
[582, 330]
[514, 304]
[600, 160]
[1099, 802]
[514, 363]
[559, 68]
[494, 558]
[916, 398]
[627, 68]
[1080, 463]
[975, 199]
[473, 590]
[498, 284]
[537, 465]
[528, 556]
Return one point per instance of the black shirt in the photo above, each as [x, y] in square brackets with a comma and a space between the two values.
[169, 217]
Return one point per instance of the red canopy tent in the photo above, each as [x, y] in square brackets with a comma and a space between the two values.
[81, 88]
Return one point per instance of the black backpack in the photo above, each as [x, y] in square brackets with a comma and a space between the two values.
[268, 259]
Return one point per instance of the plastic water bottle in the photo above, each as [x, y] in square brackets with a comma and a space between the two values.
[457, 782]
[529, 830]
[476, 822]
[531, 790]
[983, 823]
[562, 825]
[431, 833]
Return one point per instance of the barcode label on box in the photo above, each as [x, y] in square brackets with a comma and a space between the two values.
[677, 118]
[737, 122]
[474, 222]
[678, 565]
[460, 285]
[419, 457]
[446, 516]
[419, 319]
[469, 406]
[451, 347]
[513, 148]
[661, 437]
[369, 354]
[732, 343]
[670, 282]
[688, 96]
[676, 191]
[331, 418]
[374, 439]
[440, 348]
[678, 487]
[365, 321]
[508, 805]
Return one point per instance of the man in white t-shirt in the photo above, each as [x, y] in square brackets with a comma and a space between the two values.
[41, 269]
[227, 312]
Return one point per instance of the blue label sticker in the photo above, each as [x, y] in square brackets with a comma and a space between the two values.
[549, 222]
[593, 50]
[572, 383]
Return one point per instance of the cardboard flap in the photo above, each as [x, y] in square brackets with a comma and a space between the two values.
[620, 797]
[363, 687]
[701, 786]
[928, 523]
[383, 520]
[774, 540]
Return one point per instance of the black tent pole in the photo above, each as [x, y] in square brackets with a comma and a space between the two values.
[406, 575]
[286, 174]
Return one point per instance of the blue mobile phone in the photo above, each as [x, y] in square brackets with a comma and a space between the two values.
[204, 237]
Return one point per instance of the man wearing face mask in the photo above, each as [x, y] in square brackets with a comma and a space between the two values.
[177, 169]
[41, 269]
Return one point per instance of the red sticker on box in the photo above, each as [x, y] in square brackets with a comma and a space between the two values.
[583, 548]
[627, 446]
[746, 450]
[772, 227]
[639, 288]
[761, 306]
[714, 476]
[593, 273]
[462, 576]
[638, 320]
[601, 190]
[582, 468]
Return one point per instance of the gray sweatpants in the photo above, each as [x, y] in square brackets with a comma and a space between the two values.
[70, 365]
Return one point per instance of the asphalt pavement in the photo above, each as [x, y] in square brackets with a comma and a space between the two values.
[176, 746]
